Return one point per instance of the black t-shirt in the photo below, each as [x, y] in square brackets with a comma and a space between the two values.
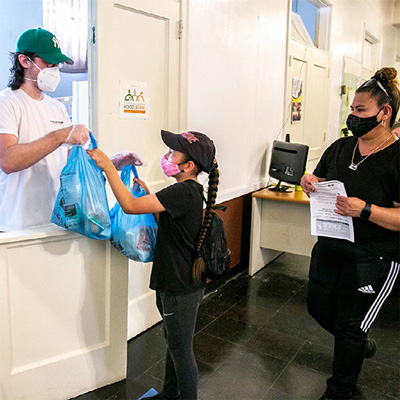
[173, 261]
[376, 181]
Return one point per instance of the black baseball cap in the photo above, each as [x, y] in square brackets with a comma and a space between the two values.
[197, 145]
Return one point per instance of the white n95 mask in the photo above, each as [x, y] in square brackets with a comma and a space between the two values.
[47, 79]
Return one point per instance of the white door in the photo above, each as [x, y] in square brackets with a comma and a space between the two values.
[308, 67]
[137, 41]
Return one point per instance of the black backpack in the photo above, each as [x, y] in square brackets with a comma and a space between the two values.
[214, 251]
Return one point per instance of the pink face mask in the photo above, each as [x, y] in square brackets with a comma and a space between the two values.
[169, 168]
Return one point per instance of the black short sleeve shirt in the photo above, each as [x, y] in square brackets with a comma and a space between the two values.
[173, 261]
[376, 181]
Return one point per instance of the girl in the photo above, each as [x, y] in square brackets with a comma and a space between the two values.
[176, 276]
[350, 281]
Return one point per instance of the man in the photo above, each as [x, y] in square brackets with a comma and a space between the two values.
[33, 128]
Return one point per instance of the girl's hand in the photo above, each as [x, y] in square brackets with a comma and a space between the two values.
[101, 159]
[349, 206]
[306, 183]
[142, 184]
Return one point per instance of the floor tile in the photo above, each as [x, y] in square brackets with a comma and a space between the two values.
[217, 303]
[276, 344]
[291, 265]
[145, 350]
[212, 350]
[315, 357]
[270, 301]
[302, 383]
[139, 386]
[281, 285]
[321, 337]
[242, 285]
[203, 320]
[292, 322]
[247, 311]
[380, 378]
[255, 341]
[388, 342]
[362, 393]
[232, 330]
[274, 394]
[108, 391]
[246, 374]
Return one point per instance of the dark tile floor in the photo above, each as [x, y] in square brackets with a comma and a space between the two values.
[255, 341]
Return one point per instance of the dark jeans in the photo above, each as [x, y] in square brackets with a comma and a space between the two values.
[179, 314]
[348, 285]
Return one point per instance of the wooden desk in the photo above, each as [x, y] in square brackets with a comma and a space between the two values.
[280, 222]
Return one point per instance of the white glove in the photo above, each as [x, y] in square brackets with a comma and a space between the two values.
[79, 135]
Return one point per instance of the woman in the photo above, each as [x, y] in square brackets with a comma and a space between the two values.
[350, 281]
[177, 277]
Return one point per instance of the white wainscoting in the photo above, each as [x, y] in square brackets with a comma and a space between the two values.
[63, 313]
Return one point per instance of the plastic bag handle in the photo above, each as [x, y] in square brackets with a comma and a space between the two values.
[93, 140]
[126, 174]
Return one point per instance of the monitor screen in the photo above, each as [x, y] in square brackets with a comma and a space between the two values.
[288, 163]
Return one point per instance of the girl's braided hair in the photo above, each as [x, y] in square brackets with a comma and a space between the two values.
[213, 180]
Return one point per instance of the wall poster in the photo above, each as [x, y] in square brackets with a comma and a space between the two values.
[134, 100]
[297, 87]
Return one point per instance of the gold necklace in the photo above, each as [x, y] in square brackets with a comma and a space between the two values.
[353, 166]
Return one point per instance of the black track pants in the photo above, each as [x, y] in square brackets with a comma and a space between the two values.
[348, 286]
[179, 315]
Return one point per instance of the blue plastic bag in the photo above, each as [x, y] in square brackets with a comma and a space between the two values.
[81, 204]
[133, 235]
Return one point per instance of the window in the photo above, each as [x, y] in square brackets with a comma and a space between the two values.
[67, 19]
[370, 55]
[311, 22]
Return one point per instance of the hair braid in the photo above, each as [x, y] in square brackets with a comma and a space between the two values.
[213, 180]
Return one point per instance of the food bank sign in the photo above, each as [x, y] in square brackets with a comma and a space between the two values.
[134, 100]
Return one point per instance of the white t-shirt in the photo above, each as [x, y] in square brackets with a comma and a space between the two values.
[27, 197]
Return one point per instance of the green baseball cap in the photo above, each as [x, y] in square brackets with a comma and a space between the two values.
[44, 44]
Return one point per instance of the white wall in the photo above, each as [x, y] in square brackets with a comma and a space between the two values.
[236, 78]
[236, 75]
[349, 21]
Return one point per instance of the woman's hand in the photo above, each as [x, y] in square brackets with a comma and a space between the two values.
[101, 159]
[349, 206]
[306, 183]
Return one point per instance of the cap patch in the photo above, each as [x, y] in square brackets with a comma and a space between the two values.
[190, 137]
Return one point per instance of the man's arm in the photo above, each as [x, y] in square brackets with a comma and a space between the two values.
[16, 157]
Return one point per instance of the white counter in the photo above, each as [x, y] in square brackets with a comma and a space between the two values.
[63, 313]
[280, 222]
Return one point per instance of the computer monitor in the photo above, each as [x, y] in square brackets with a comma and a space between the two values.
[288, 163]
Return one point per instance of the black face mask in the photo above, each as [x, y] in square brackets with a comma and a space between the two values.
[360, 126]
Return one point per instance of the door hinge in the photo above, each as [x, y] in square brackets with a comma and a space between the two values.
[180, 29]
[93, 35]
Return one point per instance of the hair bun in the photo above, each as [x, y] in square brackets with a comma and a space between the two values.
[385, 75]
[380, 77]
